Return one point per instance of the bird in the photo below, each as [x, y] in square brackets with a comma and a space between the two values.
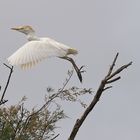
[37, 49]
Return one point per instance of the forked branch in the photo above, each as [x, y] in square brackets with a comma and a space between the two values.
[2, 101]
[109, 78]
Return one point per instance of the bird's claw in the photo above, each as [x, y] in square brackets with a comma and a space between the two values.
[82, 71]
[79, 72]
[82, 67]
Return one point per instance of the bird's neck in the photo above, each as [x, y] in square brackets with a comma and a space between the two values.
[31, 36]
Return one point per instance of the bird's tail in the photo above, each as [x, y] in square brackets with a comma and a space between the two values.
[72, 51]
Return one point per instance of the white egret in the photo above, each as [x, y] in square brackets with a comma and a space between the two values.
[37, 49]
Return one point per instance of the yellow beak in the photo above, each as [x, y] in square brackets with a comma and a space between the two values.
[16, 28]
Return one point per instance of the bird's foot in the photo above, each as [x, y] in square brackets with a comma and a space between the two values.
[80, 71]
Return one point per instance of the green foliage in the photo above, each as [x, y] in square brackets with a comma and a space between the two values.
[18, 123]
[71, 94]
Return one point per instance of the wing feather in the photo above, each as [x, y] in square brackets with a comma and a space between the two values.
[28, 55]
[34, 51]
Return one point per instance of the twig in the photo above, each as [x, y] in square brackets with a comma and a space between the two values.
[107, 87]
[108, 79]
[55, 137]
[43, 106]
[113, 64]
[113, 80]
[119, 70]
[2, 101]
[56, 95]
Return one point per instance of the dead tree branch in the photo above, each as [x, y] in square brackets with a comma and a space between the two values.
[109, 78]
[2, 101]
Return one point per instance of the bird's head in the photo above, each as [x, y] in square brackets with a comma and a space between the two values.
[24, 29]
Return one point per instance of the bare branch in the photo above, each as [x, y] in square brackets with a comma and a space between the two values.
[2, 101]
[107, 88]
[108, 79]
[113, 80]
[113, 64]
[119, 70]
[55, 137]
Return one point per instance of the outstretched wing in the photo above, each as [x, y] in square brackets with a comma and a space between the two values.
[33, 52]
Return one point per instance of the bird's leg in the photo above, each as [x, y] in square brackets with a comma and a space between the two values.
[78, 71]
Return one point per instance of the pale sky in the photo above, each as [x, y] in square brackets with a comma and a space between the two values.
[98, 29]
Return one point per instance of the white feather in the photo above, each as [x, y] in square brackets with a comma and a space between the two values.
[37, 49]
[34, 51]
